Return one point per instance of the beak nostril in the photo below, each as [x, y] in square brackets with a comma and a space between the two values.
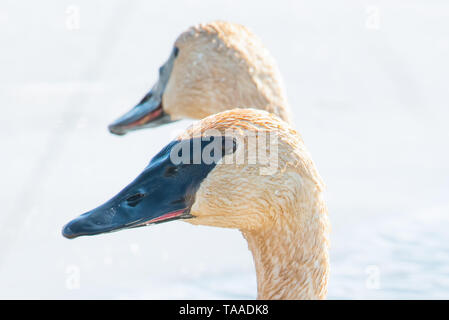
[135, 199]
[146, 98]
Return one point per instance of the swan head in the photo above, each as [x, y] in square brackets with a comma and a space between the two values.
[212, 175]
[210, 68]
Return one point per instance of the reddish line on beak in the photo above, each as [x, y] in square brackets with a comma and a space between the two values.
[164, 217]
[152, 115]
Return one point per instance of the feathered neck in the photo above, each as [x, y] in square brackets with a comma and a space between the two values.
[291, 255]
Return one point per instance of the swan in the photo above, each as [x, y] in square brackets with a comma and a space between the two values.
[280, 212]
[213, 67]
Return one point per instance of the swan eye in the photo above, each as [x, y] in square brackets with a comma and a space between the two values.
[171, 171]
[175, 51]
[227, 149]
[135, 199]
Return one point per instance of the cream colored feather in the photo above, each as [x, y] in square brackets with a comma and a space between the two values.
[282, 215]
[221, 66]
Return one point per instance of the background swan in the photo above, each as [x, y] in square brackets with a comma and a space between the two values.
[212, 67]
[282, 213]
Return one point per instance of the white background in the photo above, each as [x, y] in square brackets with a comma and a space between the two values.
[368, 85]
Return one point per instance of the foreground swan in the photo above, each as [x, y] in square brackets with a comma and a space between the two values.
[277, 204]
[212, 68]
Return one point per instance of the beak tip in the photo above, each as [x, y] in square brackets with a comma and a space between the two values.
[67, 232]
[116, 130]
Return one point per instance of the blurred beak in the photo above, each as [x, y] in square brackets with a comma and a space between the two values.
[149, 112]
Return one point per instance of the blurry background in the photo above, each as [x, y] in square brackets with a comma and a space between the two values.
[368, 85]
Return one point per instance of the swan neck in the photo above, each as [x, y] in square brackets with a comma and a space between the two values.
[291, 257]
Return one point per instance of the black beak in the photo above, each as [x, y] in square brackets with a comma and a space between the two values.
[149, 112]
[150, 198]
[164, 191]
